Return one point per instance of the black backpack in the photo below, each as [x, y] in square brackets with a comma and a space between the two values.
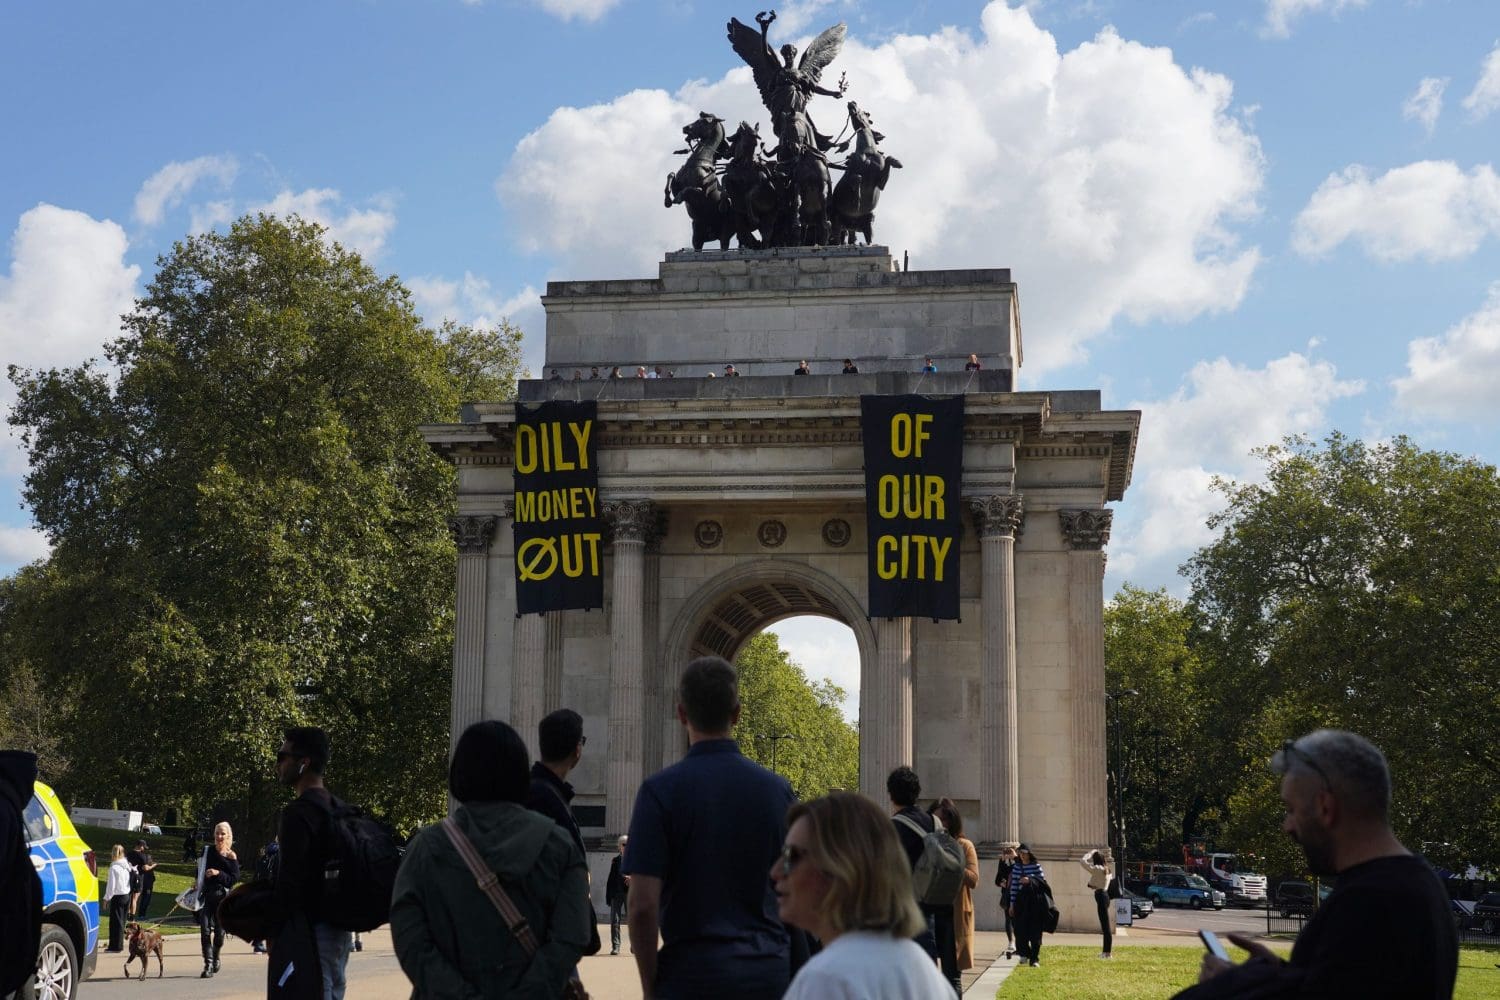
[360, 873]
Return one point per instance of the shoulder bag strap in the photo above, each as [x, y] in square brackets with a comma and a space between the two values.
[489, 884]
[911, 824]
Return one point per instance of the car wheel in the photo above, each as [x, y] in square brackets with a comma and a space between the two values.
[56, 966]
[1489, 926]
[1196, 903]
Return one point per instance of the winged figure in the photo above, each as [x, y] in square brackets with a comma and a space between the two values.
[786, 88]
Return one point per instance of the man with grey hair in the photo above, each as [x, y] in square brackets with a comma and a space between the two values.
[1385, 930]
[616, 891]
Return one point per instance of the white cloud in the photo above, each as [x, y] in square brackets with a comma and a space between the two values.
[167, 187]
[19, 546]
[67, 288]
[806, 15]
[1208, 428]
[1485, 97]
[1453, 377]
[361, 229]
[1109, 175]
[474, 301]
[1281, 13]
[1430, 210]
[1426, 102]
[581, 10]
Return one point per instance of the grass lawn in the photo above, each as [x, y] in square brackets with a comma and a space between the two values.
[1070, 973]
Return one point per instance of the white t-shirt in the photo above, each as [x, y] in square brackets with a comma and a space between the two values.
[866, 965]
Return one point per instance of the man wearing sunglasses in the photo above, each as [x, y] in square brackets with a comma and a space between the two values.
[1385, 930]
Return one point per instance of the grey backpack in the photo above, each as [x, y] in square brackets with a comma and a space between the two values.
[939, 873]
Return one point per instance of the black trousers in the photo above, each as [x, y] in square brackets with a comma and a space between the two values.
[119, 908]
[1028, 936]
[142, 903]
[947, 945]
[1010, 934]
[1106, 917]
[210, 934]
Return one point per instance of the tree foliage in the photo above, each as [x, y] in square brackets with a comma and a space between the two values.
[777, 699]
[248, 531]
[1359, 587]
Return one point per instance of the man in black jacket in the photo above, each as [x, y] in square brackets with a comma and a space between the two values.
[560, 739]
[616, 894]
[1386, 931]
[20, 888]
[316, 953]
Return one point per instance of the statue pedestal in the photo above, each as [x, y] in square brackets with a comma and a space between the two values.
[766, 310]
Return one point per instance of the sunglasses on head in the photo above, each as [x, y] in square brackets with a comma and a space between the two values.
[1289, 748]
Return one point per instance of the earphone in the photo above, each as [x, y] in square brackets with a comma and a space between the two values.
[302, 768]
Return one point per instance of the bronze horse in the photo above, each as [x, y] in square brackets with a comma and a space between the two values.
[750, 195]
[852, 210]
[696, 184]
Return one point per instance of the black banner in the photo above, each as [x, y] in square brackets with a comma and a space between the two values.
[914, 464]
[559, 531]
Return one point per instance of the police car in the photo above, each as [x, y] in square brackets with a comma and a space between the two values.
[70, 898]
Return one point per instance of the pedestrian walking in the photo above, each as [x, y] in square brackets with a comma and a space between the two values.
[117, 896]
[1100, 871]
[844, 878]
[946, 810]
[145, 869]
[616, 896]
[221, 870]
[1002, 880]
[451, 936]
[1028, 904]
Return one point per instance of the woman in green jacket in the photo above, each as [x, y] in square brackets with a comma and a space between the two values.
[449, 936]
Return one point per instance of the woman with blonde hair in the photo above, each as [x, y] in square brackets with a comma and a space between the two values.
[844, 878]
[117, 895]
[221, 870]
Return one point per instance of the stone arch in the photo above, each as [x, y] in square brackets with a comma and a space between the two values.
[736, 604]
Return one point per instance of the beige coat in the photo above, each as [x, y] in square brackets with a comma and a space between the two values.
[963, 906]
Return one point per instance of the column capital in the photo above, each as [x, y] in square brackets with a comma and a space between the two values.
[472, 532]
[633, 520]
[1086, 529]
[1000, 515]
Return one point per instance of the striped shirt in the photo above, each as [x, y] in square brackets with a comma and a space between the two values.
[1021, 870]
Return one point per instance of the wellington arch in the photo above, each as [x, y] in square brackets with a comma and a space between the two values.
[732, 503]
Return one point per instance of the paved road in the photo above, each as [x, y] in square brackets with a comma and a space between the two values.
[1221, 922]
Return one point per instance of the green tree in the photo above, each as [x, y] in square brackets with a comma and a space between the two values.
[1359, 587]
[777, 699]
[1160, 747]
[248, 530]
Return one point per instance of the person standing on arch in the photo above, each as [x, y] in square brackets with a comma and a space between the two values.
[702, 838]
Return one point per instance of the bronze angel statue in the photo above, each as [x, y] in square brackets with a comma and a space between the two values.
[785, 89]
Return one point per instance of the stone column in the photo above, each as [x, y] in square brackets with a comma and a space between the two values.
[998, 521]
[885, 707]
[655, 670]
[553, 670]
[528, 677]
[632, 522]
[472, 534]
[1087, 532]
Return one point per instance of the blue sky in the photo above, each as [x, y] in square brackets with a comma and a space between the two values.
[1245, 219]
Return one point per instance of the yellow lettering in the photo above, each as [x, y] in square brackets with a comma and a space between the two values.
[581, 435]
[940, 547]
[885, 569]
[932, 498]
[901, 435]
[592, 493]
[559, 463]
[923, 419]
[885, 496]
[526, 449]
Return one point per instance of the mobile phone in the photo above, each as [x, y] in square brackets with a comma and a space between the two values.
[1214, 945]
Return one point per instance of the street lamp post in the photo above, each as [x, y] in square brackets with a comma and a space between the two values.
[775, 739]
[1113, 697]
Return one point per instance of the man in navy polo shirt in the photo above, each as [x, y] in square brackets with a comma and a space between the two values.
[702, 839]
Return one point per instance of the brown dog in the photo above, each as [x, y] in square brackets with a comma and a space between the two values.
[142, 943]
